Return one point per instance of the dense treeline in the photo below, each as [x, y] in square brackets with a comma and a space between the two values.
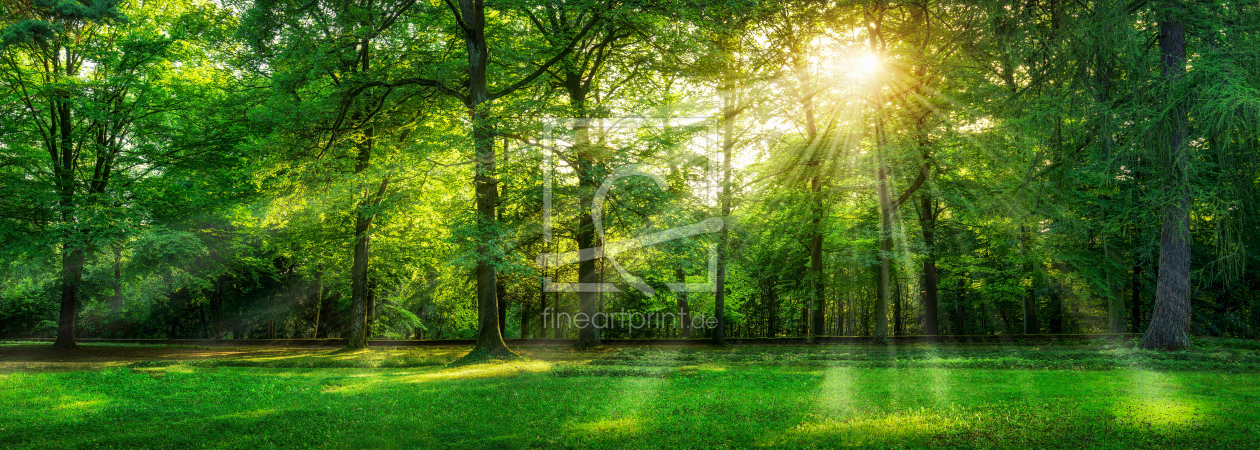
[394, 169]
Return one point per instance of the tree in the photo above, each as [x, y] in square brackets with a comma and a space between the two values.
[1170, 320]
[82, 83]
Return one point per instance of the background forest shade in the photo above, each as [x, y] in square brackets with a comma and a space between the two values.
[296, 169]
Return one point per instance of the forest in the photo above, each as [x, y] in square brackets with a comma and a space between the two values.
[465, 169]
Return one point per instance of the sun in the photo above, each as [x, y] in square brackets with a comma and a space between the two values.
[867, 63]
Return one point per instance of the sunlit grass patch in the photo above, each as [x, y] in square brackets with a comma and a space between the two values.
[484, 370]
[611, 371]
[860, 430]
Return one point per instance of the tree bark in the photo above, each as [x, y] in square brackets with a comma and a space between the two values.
[473, 25]
[684, 310]
[1135, 324]
[1030, 298]
[501, 300]
[319, 302]
[588, 301]
[729, 111]
[71, 279]
[1170, 319]
[897, 329]
[117, 280]
[961, 306]
[927, 223]
[358, 333]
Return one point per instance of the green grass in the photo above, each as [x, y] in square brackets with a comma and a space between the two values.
[1092, 395]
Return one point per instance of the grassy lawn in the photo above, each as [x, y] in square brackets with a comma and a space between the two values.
[1089, 395]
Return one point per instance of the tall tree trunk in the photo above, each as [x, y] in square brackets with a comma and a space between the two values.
[815, 263]
[729, 111]
[319, 302]
[357, 335]
[71, 279]
[1030, 298]
[117, 280]
[961, 306]
[586, 170]
[542, 303]
[1135, 320]
[774, 308]
[72, 254]
[524, 317]
[885, 242]
[358, 332]
[897, 329]
[371, 306]
[501, 299]
[816, 157]
[684, 310]
[473, 15]
[927, 223]
[1170, 319]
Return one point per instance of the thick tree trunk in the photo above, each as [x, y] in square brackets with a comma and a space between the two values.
[588, 301]
[815, 264]
[927, 223]
[1170, 319]
[473, 15]
[357, 336]
[358, 333]
[729, 111]
[71, 279]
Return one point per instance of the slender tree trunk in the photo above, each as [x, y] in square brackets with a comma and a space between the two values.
[885, 248]
[542, 303]
[1135, 324]
[961, 306]
[684, 310]
[319, 302]
[524, 317]
[1030, 298]
[1170, 319]
[501, 300]
[774, 309]
[117, 281]
[886, 205]
[371, 307]
[897, 329]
